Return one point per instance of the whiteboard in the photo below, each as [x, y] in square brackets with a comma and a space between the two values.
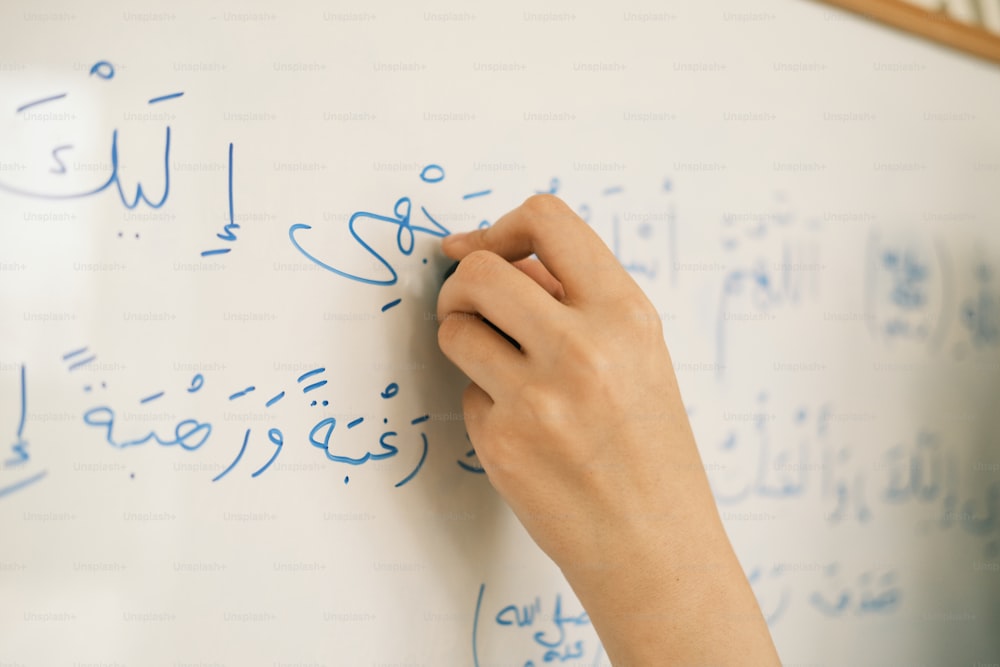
[809, 200]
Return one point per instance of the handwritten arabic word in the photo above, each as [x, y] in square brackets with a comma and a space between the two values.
[907, 287]
[401, 219]
[228, 232]
[858, 598]
[189, 434]
[760, 283]
[755, 461]
[20, 454]
[779, 454]
[871, 592]
[321, 434]
[552, 634]
[103, 71]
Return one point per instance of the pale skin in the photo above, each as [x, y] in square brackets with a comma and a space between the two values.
[584, 434]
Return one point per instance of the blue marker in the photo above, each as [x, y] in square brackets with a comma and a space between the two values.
[447, 274]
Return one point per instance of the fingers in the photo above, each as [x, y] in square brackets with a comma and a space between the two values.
[487, 285]
[480, 352]
[476, 405]
[543, 225]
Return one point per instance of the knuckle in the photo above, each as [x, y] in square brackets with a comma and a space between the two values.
[469, 394]
[442, 307]
[542, 407]
[448, 332]
[485, 236]
[470, 399]
[641, 314]
[544, 204]
[584, 354]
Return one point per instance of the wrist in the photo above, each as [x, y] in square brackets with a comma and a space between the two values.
[669, 584]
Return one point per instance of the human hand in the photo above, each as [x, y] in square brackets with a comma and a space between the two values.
[583, 432]
[577, 428]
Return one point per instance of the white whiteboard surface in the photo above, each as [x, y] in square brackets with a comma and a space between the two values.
[810, 200]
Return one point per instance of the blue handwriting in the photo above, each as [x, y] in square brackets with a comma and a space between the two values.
[19, 449]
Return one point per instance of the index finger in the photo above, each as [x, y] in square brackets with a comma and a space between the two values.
[545, 226]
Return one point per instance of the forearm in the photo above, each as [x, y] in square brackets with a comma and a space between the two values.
[667, 588]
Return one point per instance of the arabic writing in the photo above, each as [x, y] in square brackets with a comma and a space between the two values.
[406, 232]
[859, 598]
[908, 289]
[554, 635]
[228, 233]
[20, 455]
[783, 454]
[758, 280]
[980, 311]
[872, 591]
[104, 71]
[191, 434]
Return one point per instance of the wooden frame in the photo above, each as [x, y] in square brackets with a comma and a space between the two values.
[936, 26]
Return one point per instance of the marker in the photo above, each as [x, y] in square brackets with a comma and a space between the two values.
[447, 274]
